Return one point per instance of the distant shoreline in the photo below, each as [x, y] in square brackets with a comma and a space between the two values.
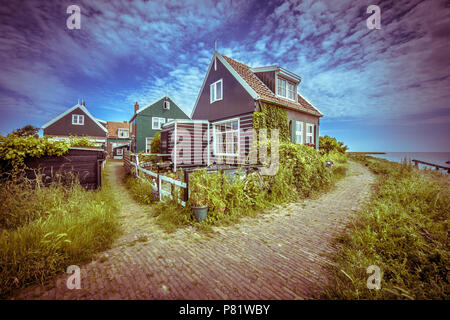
[366, 152]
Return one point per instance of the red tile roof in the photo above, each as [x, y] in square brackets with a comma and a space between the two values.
[265, 93]
[113, 127]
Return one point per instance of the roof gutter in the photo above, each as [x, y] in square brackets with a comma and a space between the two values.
[290, 107]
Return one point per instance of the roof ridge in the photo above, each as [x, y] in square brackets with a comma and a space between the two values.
[236, 61]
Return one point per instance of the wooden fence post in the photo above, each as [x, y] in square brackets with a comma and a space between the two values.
[159, 187]
[186, 190]
[137, 164]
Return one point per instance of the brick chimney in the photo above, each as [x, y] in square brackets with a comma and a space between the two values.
[136, 107]
[83, 104]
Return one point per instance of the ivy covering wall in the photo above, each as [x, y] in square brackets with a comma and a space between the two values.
[272, 117]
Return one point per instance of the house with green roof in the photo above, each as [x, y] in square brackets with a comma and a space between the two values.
[146, 122]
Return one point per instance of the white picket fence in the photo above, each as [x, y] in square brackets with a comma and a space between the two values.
[159, 178]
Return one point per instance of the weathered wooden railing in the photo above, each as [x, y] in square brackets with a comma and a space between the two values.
[129, 163]
[437, 166]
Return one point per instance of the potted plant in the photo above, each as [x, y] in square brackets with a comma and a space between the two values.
[198, 194]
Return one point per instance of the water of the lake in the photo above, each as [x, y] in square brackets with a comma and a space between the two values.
[433, 157]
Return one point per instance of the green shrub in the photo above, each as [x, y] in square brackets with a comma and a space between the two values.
[301, 173]
[56, 227]
[272, 117]
[328, 144]
[307, 168]
[155, 145]
[15, 149]
[198, 183]
[27, 130]
[404, 231]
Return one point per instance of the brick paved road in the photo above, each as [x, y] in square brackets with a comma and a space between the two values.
[280, 255]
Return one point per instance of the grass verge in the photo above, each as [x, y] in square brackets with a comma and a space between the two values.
[46, 229]
[403, 231]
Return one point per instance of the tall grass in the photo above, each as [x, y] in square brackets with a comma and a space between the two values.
[46, 229]
[141, 190]
[403, 231]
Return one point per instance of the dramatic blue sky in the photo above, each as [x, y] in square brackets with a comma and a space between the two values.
[380, 90]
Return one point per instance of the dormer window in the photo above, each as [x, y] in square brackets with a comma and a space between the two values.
[286, 89]
[78, 119]
[123, 133]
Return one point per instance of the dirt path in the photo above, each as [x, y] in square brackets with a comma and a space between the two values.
[280, 255]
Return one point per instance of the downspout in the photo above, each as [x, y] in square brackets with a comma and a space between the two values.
[317, 134]
[175, 148]
[209, 150]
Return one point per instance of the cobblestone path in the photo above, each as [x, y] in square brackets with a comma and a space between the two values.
[280, 255]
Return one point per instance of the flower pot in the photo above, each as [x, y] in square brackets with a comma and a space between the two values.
[200, 213]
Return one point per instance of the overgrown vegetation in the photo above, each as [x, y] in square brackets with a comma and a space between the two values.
[45, 229]
[329, 144]
[272, 117]
[141, 190]
[155, 145]
[403, 231]
[26, 131]
[229, 196]
[14, 149]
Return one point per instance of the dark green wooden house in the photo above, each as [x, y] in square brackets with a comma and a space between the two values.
[147, 121]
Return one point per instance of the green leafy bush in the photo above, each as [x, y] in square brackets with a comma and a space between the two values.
[272, 117]
[306, 168]
[15, 149]
[198, 183]
[230, 196]
[27, 130]
[82, 142]
[329, 144]
[301, 172]
[155, 145]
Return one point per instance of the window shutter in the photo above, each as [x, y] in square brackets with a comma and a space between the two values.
[302, 127]
[292, 126]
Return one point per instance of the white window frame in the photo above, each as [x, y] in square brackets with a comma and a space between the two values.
[213, 91]
[286, 88]
[148, 144]
[310, 134]
[76, 119]
[214, 124]
[119, 152]
[290, 84]
[160, 122]
[121, 130]
[166, 105]
[298, 133]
